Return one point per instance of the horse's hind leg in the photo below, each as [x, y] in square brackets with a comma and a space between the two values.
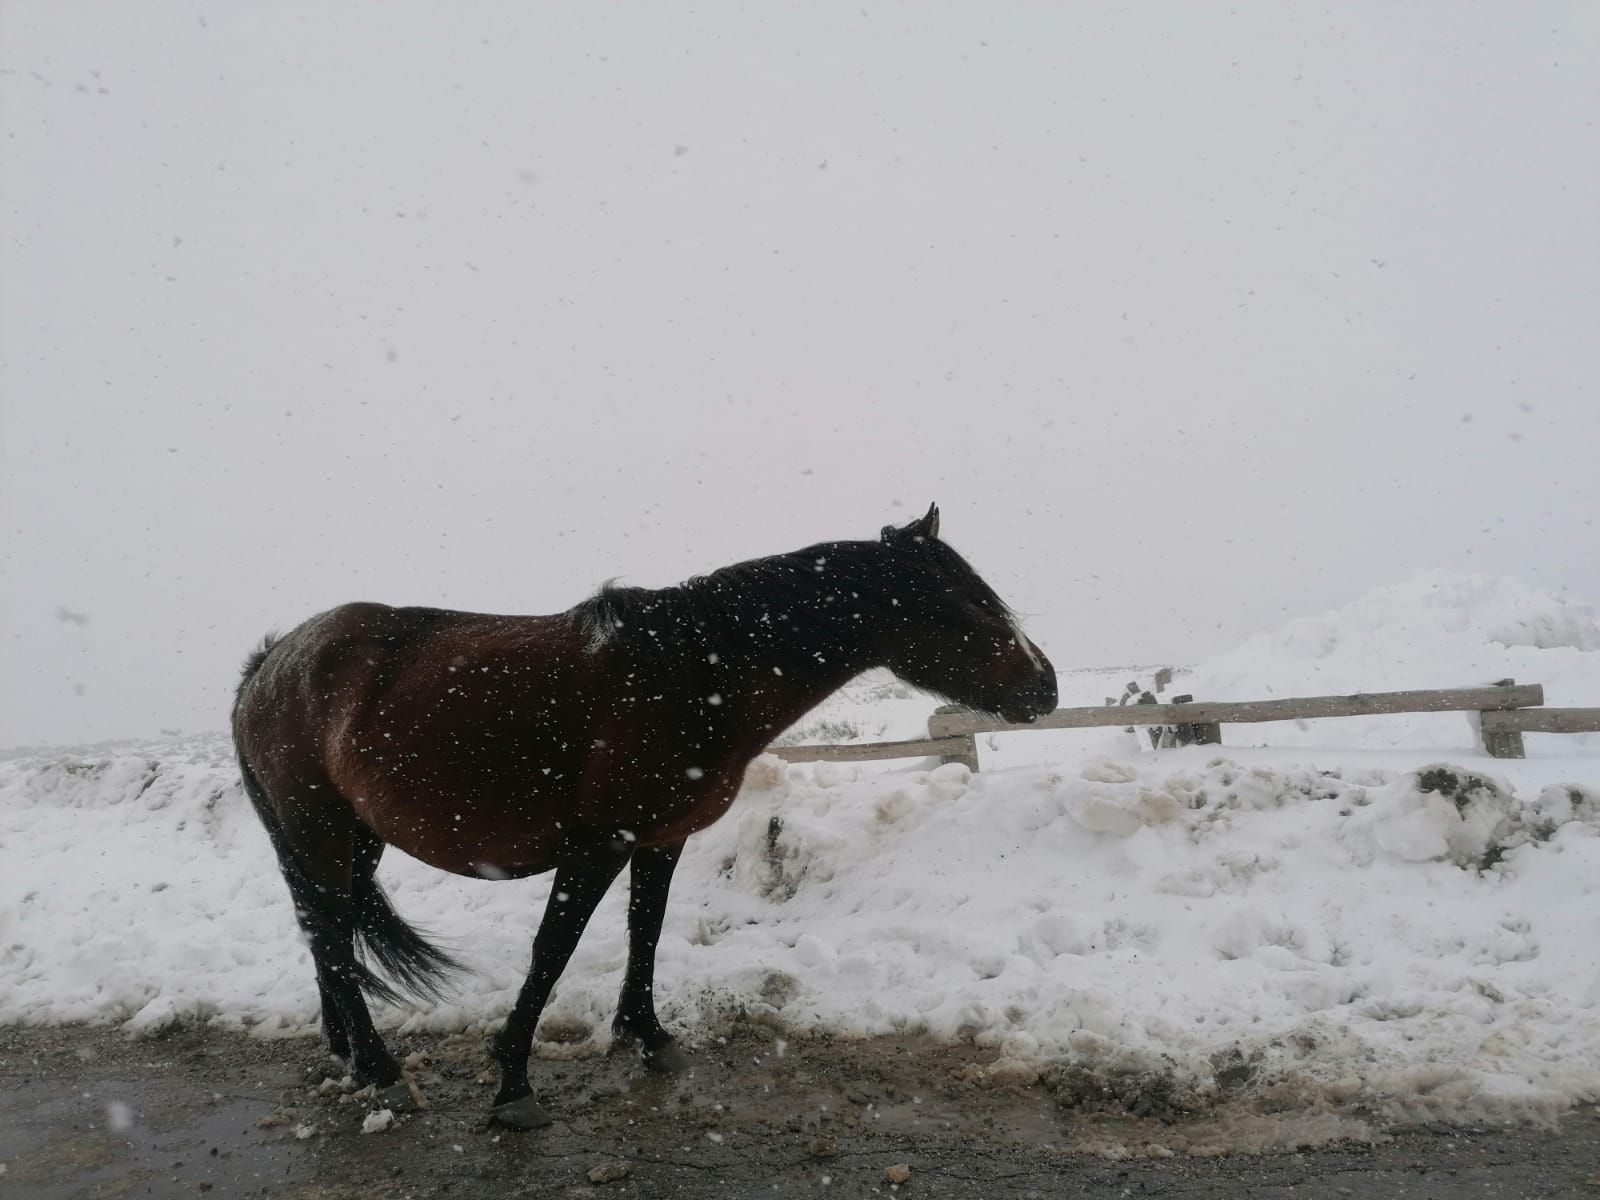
[327, 854]
[338, 974]
[368, 850]
[333, 951]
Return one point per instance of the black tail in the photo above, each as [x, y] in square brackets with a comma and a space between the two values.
[414, 963]
[418, 966]
[253, 663]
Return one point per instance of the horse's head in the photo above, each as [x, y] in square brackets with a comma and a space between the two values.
[948, 633]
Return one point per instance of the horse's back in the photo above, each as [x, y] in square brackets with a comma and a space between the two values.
[358, 650]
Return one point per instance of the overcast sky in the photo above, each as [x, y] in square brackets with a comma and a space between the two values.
[1192, 317]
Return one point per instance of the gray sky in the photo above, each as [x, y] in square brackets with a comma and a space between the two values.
[1192, 317]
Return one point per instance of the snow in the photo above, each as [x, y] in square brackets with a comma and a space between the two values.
[1438, 629]
[1363, 911]
[377, 1121]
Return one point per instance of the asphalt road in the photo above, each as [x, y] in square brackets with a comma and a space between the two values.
[88, 1113]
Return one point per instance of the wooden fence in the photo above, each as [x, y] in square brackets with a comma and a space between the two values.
[1503, 712]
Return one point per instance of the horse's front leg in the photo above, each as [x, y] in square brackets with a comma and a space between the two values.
[650, 878]
[581, 880]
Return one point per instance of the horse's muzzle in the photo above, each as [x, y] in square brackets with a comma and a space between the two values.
[1035, 703]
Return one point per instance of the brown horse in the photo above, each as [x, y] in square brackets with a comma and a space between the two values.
[503, 746]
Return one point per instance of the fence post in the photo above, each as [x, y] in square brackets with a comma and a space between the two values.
[1197, 733]
[1501, 743]
[967, 755]
[1155, 731]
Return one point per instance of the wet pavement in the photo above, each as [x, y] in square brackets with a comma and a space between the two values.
[89, 1113]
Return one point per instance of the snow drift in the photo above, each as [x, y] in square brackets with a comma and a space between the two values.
[1437, 629]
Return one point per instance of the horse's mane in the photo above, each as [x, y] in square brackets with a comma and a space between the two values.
[759, 601]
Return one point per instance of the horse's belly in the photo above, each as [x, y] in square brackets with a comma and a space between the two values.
[507, 836]
[465, 839]
[672, 823]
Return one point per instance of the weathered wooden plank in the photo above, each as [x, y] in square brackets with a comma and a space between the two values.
[1543, 720]
[1210, 712]
[956, 749]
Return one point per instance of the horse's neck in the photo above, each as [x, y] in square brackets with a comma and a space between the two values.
[770, 686]
[769, 697]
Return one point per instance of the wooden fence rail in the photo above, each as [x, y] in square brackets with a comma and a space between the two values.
[950, 749]
[1504, 712]
[1230, 712]
[1543, 720]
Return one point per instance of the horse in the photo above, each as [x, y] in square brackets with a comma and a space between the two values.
[581, 742]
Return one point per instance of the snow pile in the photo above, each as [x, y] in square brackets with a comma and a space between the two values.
[126, 879]
[1425, 940]
[1437, 630]
[1422, 941]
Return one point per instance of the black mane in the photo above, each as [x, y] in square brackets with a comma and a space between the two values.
[785, 602]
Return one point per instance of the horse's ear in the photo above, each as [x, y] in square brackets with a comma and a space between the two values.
[924, 529]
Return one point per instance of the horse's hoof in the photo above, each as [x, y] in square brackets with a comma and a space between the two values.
[402, 1097]
[663, 1056]
[522, 1113]
[665, 1059]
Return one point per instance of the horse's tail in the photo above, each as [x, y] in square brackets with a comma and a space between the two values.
[253, 663]
[419, 967]
[416, 965]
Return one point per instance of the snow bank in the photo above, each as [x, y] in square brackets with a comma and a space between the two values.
[1425, 946]
[1385, 930]
[1422, 939]
[1438, 629]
